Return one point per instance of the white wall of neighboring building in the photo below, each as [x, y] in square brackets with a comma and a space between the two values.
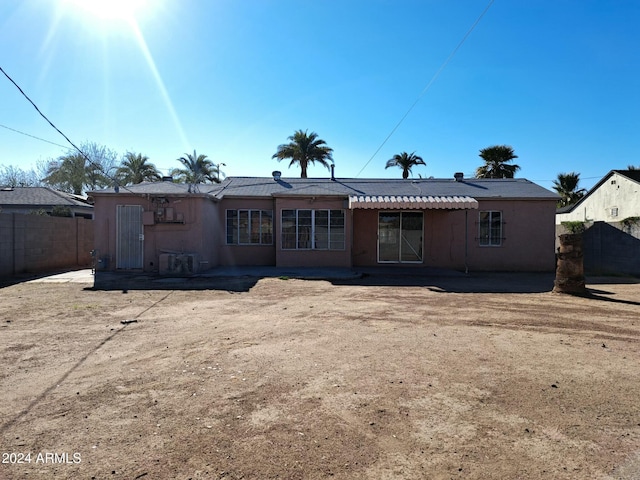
[615, 199]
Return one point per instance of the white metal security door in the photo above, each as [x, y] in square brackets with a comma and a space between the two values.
[130, 237]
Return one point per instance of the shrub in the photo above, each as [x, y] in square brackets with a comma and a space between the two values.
[574, 227]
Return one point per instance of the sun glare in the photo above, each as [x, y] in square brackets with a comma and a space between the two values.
[118, 10]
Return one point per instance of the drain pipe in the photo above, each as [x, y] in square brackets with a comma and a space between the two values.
[466, 241]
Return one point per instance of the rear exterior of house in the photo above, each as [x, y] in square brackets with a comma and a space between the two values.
[504, 225]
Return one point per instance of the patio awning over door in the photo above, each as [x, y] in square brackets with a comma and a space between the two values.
[412, 202]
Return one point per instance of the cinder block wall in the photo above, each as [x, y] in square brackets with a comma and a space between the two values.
[34, 244]
[610, 248]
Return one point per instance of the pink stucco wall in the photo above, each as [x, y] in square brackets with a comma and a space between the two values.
[273, 254]
[529, 237]
[196, 235]
[230, 255]
[312, 258]
[528, 245]
[528, 231]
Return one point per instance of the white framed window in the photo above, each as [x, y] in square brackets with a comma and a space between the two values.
[490, 229]
[306, 229]
[249, 227]
[614, 211]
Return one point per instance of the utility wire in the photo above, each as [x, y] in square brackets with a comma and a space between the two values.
[44, 116]
[96, 165]
[33, 136]
[426, 88]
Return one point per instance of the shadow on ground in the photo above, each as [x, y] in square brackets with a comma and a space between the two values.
[458, 282]
[111, 281]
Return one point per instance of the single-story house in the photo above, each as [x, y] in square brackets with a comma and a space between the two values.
[479, 224]
[33, 199]
[610, 213]
[612, 199]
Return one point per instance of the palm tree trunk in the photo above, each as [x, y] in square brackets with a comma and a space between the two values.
[570, 266]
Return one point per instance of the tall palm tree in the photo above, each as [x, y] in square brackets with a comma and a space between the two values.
[197, 169]
[136, 169]
[304, 148]
[567, 187]
[405, 161]
[80, 170]
[495, 165]
[68, 173]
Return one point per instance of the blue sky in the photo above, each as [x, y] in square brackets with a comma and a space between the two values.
[557, 80]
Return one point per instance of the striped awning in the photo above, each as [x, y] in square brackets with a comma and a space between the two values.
[412, 202]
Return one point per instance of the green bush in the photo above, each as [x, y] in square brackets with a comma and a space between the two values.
[574, 227]
[61, 211]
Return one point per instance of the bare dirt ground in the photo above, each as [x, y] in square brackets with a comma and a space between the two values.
[482, 377]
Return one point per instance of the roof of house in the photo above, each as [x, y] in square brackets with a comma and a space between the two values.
[633, 175]
[479, 189]
[476, 188]
[39, 197]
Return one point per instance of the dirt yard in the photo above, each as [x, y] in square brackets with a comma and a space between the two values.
[481, 377]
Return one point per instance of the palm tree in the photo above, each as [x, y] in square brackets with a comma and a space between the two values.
[68, 173]
[405, 161]
[79, 170]
[495, 162]
[197, 169]
[136, 169]
[304, 148]
[567, 187]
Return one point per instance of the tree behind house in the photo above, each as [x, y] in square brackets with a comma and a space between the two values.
[496, 162]
[135, 168]
[567, 187]
[11, 177]
[197, 169]
[75, 171]
[304, 148]
[405, 161]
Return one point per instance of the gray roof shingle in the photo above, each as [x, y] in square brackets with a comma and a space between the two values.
[267, 187]
[477, 188]
[38, 197]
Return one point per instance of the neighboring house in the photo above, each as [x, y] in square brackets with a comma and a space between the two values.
[613, 199]
[610, 212]
[479, 224]
[33, 199]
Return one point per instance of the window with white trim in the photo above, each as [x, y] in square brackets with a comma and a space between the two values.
[249, 227]
[313, 230]
[490, 229]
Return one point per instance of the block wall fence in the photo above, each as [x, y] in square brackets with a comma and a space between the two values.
[36, 244]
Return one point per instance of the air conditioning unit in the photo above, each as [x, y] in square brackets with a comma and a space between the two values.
[178, 263]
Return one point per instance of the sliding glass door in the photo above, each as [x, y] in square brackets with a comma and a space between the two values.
[400, 237]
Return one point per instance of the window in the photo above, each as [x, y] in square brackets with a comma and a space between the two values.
[249, 227]
[490, 229]
[614, 212]
[313, 229]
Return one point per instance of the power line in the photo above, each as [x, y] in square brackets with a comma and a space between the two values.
[84, 155]
[426, 88]
[44, 116]
[33, 136]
